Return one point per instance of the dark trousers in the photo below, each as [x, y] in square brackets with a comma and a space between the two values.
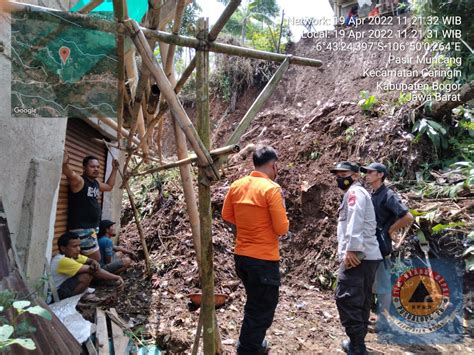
[353, 297]
[261, 280]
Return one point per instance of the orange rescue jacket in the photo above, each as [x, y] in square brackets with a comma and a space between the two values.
[256, 206]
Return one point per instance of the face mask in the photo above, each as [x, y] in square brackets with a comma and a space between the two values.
[344, 182]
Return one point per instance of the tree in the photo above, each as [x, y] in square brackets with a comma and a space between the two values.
[249, 12]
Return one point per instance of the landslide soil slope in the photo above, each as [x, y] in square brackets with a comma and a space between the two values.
[313, 120]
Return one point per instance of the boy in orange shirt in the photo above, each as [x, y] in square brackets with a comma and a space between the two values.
[255, 205]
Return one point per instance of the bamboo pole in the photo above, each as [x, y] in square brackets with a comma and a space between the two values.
[90, 6]
[112, 27]
[256, 107]
[205, 216]
[281, 29]
[112, 124]
[120, 9]
[228, 48]
[184, 170]
[216, 28]
[167, 55]
[180, 5]
[140, 229]
[222, 20]
[137, 218]
[175, 106]
[191, 159]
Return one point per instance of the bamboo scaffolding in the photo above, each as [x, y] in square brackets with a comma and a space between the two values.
[216, 28]
[228, 48]
[208, 161]
[112, 27]
[203, 126]
[166, 90]
[216, 153]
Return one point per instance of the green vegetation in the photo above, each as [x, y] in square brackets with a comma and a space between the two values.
[349, 133]
[367, 102]
[15, 332]
[434, 130]
[433, 29]
[257, 23]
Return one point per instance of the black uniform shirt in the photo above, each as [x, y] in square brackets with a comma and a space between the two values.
[388, 207]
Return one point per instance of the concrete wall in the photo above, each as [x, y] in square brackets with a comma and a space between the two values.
[30, 167]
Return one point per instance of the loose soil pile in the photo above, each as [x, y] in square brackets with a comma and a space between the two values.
[313, 120]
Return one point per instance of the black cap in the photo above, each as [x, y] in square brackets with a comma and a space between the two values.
[345, 166]
[105, 223]
[375, 167]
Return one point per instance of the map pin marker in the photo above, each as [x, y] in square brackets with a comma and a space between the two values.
[64, 54]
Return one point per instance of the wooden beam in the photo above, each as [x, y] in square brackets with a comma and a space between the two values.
[168, 10]
[120, 340]
[228, 48]
[90, 6]
[136, 215]
[182, 148]
[102, 335]
[205, 215]
[256, 107]
[216, 153]
[168, 93]
[120, 11]
[213, 33]
[180, 5]
[112, 124]
[216, 28]
[222, 20]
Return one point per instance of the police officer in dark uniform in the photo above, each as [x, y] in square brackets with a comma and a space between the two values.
[84, 212]
[391, 215]
[359, 254]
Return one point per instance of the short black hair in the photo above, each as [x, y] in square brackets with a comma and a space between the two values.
[64, 239]
[87, 159]
[263, 155]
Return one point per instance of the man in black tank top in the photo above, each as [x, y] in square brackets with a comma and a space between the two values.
[84, 212]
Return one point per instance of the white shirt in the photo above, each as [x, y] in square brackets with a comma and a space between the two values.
[357, 224]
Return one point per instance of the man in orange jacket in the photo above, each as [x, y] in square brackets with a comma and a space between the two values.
[255, 205]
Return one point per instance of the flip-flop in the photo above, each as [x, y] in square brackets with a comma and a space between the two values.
[90, 297]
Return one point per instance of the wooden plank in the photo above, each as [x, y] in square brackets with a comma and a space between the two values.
[119, 338]
[102, 336]
[90, 347]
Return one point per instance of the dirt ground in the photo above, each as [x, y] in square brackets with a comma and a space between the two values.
[313, 120]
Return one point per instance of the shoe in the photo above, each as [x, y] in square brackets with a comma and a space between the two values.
[265, 349]
[353, 350]
[345, 345]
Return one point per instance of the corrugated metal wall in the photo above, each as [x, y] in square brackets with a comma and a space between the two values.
[79, 144]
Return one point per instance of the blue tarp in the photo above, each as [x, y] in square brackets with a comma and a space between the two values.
[136, 8]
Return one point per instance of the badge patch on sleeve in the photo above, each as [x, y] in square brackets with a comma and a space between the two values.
[352, 199]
